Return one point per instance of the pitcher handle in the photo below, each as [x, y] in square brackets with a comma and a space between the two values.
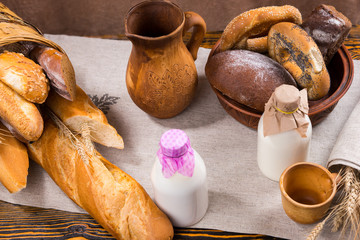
[193, 19]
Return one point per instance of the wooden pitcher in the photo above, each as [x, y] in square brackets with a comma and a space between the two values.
[161, 76]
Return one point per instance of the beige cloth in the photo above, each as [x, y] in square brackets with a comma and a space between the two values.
[241, 199]
[349, 137]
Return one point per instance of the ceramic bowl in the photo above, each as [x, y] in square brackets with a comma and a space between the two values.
[341, 70]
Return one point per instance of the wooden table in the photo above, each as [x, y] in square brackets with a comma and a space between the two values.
[23, 222]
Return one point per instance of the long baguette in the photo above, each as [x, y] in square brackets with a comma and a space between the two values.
[22, 115]
[14, 161]
[107, 193]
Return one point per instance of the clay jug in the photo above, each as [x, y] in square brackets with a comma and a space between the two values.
[161, 76]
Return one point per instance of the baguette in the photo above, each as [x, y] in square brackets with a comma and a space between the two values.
[24, 76]
[14, 162]
[108, 194]
[22, 115]
[83, 111]
[58, 69]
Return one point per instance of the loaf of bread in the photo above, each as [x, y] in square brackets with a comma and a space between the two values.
[109, 195]
[246, 77]
[329, 28]
[256, 23]
[14, 161]
[294, 49]
[82, 111]
[22, 115]
[24, 76]
[58, 69]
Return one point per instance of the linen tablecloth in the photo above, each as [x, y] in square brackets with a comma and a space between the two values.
[241, 199]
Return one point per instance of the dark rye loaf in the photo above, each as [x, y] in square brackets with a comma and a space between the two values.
[329, 28]
[246, 77]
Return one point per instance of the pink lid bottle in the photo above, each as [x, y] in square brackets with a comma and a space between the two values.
[179, 179]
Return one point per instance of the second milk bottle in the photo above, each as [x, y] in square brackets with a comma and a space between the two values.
[284, 131]
[179, 180]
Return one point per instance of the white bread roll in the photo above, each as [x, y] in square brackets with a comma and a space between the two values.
[22, 115]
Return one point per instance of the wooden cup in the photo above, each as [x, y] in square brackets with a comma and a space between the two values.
[307, 190]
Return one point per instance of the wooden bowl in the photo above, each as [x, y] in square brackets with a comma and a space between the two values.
[341, 70]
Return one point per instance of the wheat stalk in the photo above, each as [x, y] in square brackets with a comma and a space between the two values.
[317, 230]
[346, 212]
[79, 145]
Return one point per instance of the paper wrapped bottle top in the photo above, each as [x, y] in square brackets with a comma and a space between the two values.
[286, 110]
[175, 153]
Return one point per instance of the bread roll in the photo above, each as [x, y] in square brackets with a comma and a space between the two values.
[109, 195]
[293, 48]
[255, 23]
[58, 69]
[14, 161]
[24, 76]
[246, 77]
[328, 28]
[22, 115]
[83, 111]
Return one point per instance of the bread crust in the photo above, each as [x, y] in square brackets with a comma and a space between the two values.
[24, 76]
[256, 23]
[108, 194]
[293, 48]
[21, 114]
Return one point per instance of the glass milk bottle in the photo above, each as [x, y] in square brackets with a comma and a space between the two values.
[284, 131]
[179, 180]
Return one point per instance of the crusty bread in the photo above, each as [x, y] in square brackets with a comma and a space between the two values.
[293, 48]
[58, 69]
[329, 28]
[246, 77]
[24, 76]
[255, 23]
[108, 194]
[14, 161]
[82, 111]
[22, 115]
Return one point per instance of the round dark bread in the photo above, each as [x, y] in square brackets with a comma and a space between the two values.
[246, 77]
[294, 49]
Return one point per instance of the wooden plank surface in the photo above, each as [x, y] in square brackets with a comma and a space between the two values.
[352, 42]
[24, 222]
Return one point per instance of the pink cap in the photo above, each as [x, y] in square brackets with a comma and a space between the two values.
[174, 143]
[175, 153]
